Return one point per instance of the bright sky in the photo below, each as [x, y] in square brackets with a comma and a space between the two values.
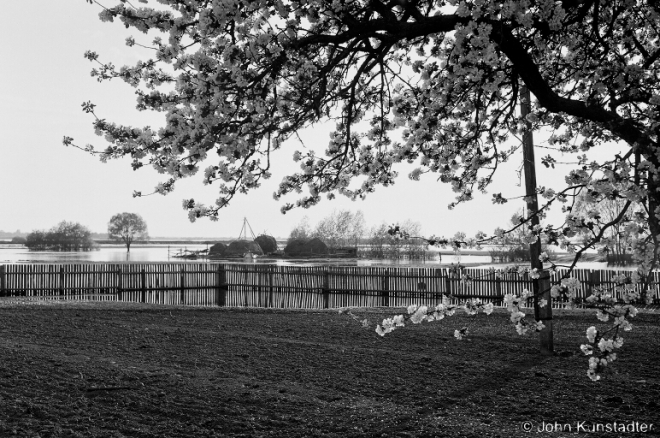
[44, 79]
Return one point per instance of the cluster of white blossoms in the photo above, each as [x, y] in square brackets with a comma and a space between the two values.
[601, 351]
[566, 291]
[518, 317]
[610, 305]
[613, 305]
[417, 314]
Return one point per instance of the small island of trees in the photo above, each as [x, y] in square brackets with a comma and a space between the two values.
[65, 236]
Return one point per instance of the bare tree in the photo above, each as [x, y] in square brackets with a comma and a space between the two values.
[618, 239]
[341, 228]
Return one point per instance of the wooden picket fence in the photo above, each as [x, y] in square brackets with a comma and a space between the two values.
[254, 285]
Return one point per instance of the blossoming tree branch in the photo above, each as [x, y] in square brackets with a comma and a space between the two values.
[436, 83]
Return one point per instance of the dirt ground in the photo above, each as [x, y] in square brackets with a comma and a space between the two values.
[124, 370]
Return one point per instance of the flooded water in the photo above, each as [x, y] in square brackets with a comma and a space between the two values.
[107, 253]
[166, 253]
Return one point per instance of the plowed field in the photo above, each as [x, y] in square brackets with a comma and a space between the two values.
[121, 370]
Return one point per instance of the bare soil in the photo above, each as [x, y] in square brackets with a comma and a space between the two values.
[130, 370]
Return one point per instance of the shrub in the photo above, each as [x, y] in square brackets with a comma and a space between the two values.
[267, 243]
[218, 249]
[240, 247]
[299, 247]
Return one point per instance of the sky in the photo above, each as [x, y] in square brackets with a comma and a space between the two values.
[44, 79]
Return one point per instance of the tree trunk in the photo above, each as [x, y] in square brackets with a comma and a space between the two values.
[654, 227]
[541, 285]
[654, 206]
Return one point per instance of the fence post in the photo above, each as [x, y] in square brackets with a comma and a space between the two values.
[61, 281]
[183, 285]
[438, 295]
[261, 288]
[120, 293]
[3, 282]
[270, 285]
[326, 289]
[385, 289]
[221, 286]
[591, 284]
[498, 289]
[447, 283]
[143, 278]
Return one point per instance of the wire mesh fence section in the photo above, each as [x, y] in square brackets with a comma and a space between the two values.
[255, 285]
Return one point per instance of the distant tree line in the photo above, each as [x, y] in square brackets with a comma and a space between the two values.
[345, 229]
[65, 236]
